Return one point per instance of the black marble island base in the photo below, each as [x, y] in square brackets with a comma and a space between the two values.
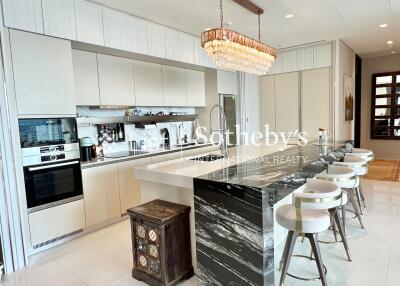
[234, 216]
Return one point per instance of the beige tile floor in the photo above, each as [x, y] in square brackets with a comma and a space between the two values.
[104, 257]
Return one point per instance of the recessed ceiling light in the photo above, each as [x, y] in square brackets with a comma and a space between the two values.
[389, 42]
[392, 52]
[207, 29]
[288, 16]
[383, 25]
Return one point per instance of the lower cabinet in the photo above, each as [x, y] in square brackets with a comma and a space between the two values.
[101, 193]
[55, 222]
[129, 187]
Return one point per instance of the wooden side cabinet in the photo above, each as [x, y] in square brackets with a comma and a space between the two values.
[161, 243]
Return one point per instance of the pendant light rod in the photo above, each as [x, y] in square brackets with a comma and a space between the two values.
[252, 7]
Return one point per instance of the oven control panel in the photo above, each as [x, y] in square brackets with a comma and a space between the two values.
[50, 158]
[51, 149]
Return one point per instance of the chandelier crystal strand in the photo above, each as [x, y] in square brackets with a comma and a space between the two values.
[230, 49]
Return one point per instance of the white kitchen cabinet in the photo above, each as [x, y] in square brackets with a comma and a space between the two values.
[287, 103]
[129, 186]
[116, 80]
[101, 193]
[289, 61]
[148, 84]
[315, 101]
[227, 82]
[55, 222]
[187, 48]
[43, 74]
[89, 22]
[267, 109]
[172, 44]
[115, 29]
[86, 78]
[59, 18]
[174, 86]
[155, 40]
[24, 15]
[201, 57]
[137, 35]
[195, 88]
[305, 59]
[323, 56]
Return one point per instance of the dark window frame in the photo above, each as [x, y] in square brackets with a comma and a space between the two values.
[394, 107]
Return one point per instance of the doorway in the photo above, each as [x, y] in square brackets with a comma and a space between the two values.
[229, 104]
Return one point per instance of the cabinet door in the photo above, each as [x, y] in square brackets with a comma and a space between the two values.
[137, 35]
[195, 88]
[187, 48]
[86, 78]
[305, 59]
[116, 80]
[287, 102]
[201, 57]
[43, 74]
[129, 186]
[268, 102]
[59, 18]
[172, 45]
[24, 15]
[89, 23]
[174, 86]
[55, 222]
[148, 84]
[227, 82]
[101, 193]
[322, 56]
[156, 40]
[115, 29]
[315, 101]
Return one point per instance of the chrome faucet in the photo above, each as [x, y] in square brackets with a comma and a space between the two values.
[178, 133]
[224, 145]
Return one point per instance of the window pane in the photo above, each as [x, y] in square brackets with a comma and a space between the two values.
[397, 111]
[397, 132]
[398, 89]
[397, 122]
[398, 99]
[383, 101]
[382, 111]
[398, 78]
[384, 79]
[382, 122]
[382, 131]
[383, 90]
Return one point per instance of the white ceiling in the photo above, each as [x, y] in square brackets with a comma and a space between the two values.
[356, 22]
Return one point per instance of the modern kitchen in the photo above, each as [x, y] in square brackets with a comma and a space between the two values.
[216, 142]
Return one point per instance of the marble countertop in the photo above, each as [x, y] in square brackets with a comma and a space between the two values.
[160, 151]
[180, 172]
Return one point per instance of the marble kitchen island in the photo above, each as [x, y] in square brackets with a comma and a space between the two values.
[232, 225]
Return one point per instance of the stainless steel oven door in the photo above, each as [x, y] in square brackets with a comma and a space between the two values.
[52, 184]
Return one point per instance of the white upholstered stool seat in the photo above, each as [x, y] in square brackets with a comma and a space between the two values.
[358, 164]
[342, 176]
[312, 221]
[366, 154]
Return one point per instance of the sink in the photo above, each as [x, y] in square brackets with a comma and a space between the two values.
[124, 154]
[186, 144]
[208, 158]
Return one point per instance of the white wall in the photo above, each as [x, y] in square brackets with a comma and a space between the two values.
[344, 64]
[383, 149]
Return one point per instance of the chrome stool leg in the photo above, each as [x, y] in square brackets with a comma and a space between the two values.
[359, 199]
[339, 225]
[343, 208]
[362, 196]
[317, 253]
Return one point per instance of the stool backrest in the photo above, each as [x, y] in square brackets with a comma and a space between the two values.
[318, 194]
[365, 154]
[344, 177]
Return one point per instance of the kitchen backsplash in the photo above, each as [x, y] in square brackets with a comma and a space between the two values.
[137, 134]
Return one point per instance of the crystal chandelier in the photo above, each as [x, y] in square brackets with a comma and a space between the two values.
[230, 49]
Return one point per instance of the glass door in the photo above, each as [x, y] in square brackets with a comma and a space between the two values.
[229, 104]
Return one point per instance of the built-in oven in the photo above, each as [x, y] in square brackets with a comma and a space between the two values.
[51, 159]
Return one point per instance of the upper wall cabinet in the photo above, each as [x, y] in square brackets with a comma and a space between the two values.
[86, 78]
[24, 15]
[148, 84]
[267, 109]
[323, 56]
[116, 80]
[200, 56]
[89, 23]
[137, 35]
[305, 59]
[174, 86]
[227, 82]
[115, 29]
[155, 40]
[43, 74]
[187, 49]
[287, 114]
[59, 18]
[195, 88]
[173, 45]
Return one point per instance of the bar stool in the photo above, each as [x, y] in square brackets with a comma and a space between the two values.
[346, 179]
[308, 216]
[360, 167]
[365, 154]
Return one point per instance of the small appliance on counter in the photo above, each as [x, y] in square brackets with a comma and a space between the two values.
[165, 136]
[88, 149]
